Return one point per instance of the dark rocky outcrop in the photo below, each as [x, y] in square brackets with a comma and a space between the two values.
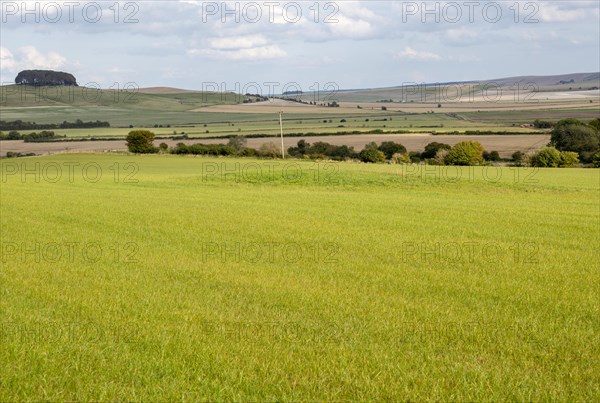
[41, 78]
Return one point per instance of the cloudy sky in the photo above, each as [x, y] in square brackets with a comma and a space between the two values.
[353, 44]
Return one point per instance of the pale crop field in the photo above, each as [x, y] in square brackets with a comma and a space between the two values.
[197, 279]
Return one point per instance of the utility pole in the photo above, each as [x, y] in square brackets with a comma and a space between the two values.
[281, 128]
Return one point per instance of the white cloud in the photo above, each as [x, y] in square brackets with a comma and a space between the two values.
[7, 60]
[33, 58]
[411, 54]
[28, 57]
[256, 53]
[570, 12]
[238, 42]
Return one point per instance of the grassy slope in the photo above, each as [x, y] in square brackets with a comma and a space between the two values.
[376, 324]
[55, 104]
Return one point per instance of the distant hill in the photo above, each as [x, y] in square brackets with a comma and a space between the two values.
[563, 82]
[165, 90]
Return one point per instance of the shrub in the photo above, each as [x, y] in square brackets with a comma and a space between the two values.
[400, 159]
[141, 142]
[389, 148]
[248, 152]
[269, 150]
[519, 158]
[596, 160]
[465, 153]
[415, 157]
[441, 156]
[541, 124]
[431, 149]
[568, 159]
[13, 135]
[572, 135]
[493, 156]
[371, 155]
[163, 147]
[238, 143]
[548, 157]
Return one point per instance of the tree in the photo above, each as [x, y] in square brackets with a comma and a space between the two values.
[141, 142]
[573, 135]
[163, 147]
[548, 157]
[269, 150]
[492, 156]
[371, 154]
[389, 148]
[238, 143]
[431, 149]
[519, 158]
[465, 153]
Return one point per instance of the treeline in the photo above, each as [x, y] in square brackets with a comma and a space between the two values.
[41, 137]
[78, 124]
[572, 143]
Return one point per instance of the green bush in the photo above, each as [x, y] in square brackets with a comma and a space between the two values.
[238, 143]
[493, 156]
[573, 135]
[400, 159]
[371, 155]
[415, 157]
[465, 153]
[568, 159]
[141, 142]
[431, 149]
[548, 157]
[596, 160]
[519, 158]
[389, 148]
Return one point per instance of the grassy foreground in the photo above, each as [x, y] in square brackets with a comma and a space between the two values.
[168, 278]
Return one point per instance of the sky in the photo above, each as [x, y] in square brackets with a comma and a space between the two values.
[270, 46]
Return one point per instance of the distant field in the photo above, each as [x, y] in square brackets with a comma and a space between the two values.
[146, 278]
[209, 114]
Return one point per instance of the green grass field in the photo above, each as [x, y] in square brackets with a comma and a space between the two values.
[172, 278]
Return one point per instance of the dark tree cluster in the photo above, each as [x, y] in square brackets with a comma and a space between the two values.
[42, 78]
[78, 124]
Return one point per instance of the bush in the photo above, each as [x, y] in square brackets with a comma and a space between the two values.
[141, 142]
[492, 156]
[572, 135]
[441, 157]
[415, 157]
[400, 159]
[13, 135]
[568, 159]
[465, 153]
[596, 160]
[41, 137]
[163, 147]
[519, 158]
[541, 124]
[431, 149]
[371, 155]
[548, 157]
[389, 148]
[269, 150]
[238, 143]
